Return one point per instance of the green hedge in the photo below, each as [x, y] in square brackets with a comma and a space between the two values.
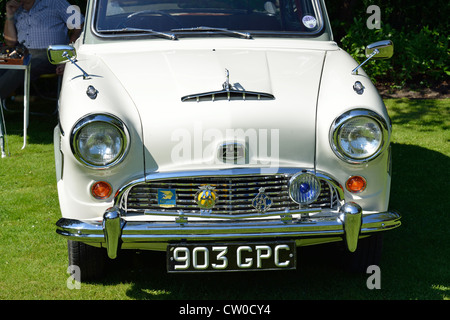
[420, 57]
[419, 30]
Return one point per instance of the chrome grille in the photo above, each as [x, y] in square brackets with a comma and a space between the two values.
[235, 194]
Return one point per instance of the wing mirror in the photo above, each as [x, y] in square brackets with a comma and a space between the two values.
[58, 54]
[378, 50]
[385, 49]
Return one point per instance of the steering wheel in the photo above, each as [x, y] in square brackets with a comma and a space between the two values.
[137, 14]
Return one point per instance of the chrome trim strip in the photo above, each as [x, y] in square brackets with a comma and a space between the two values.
[230, 217]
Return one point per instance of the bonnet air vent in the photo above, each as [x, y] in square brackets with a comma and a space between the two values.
[228, 92]
[231, 94]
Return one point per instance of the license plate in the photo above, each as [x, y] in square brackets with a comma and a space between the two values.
[231, 256]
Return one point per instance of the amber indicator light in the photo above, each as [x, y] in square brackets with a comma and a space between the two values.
[356, 184]
[101, 190]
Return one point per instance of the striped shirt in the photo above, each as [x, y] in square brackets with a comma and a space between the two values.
[46, 23]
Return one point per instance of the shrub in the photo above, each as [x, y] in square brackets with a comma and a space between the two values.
[419, 57]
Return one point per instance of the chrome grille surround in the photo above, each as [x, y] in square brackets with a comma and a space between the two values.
[236, 189]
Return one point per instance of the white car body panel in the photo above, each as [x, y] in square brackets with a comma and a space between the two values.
[140, 81]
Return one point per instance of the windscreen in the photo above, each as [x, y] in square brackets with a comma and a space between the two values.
[206, 17]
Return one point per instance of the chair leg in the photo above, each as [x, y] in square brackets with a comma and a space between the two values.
[3, 137]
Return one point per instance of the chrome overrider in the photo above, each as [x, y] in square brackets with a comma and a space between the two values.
[306, 226]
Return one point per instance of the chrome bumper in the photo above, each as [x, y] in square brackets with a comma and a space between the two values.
[114, 232]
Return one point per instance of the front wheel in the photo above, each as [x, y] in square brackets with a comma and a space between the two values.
[89, 261]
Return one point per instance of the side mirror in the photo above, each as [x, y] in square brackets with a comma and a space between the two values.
[385, 49]
[377, 50]
[61, 53]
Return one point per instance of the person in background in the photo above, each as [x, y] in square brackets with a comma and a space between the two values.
[36, 24]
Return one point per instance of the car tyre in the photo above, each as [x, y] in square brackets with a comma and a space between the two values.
[367, 253]
[90, 260]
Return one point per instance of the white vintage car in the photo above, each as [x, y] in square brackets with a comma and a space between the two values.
[226, 133]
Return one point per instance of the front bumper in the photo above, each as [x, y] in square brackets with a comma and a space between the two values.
[115, 232]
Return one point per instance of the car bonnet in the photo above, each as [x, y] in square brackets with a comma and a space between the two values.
[269, 117]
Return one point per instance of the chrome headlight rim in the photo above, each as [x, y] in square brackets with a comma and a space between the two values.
[351, 115]
[103, 118]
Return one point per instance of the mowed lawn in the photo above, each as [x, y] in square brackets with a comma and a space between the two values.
[415, 264]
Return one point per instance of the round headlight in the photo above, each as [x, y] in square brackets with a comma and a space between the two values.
[359, 135]
[99, 141]
[304, 188]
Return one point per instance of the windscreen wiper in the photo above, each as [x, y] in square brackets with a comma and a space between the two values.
[244, 35]
[169, 36]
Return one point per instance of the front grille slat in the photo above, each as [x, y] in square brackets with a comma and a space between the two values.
[235, 194]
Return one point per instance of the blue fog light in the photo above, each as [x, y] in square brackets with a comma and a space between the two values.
[304, 188]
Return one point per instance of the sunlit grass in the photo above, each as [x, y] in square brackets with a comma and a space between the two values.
[33, 259]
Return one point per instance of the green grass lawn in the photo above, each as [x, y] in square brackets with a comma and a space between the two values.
[415, 265]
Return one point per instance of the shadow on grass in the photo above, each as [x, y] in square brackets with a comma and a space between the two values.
[146, 272]
[40, 125]
[420, 184]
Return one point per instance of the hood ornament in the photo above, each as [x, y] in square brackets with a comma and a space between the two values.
[229, 92]
[226, 85]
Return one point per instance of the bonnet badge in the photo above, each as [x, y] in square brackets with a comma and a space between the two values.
[262, 202]
[167, 198]
[206, 198]
[231, 152]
